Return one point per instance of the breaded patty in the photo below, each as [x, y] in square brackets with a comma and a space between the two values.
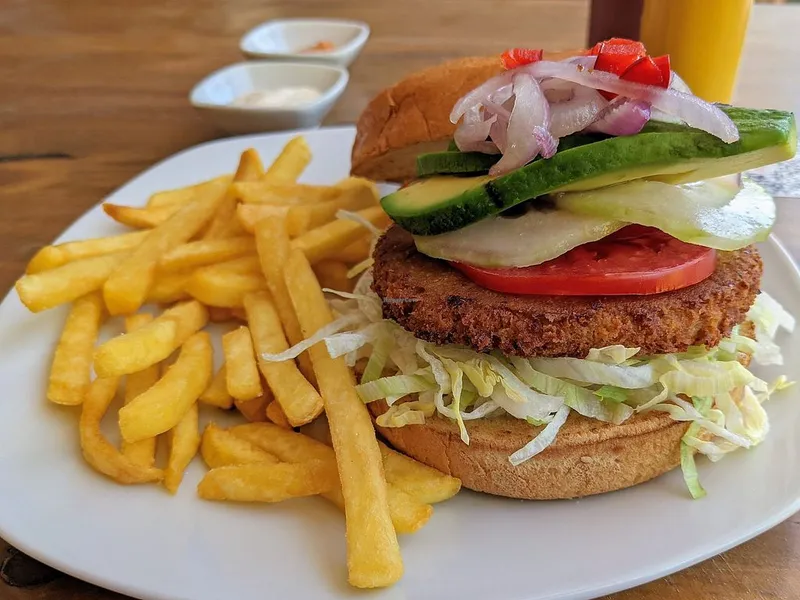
[438, 304]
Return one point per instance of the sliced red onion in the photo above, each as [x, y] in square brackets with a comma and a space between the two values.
[547, 143]
[694, 111]
[530, 111]
[471, 134]
[479, 95]
[576, 113]
[499, 132]
[622, 117]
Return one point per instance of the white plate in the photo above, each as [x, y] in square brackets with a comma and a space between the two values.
[140, 541]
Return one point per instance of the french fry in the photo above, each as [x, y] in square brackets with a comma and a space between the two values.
[242, 378]
[255, 410]
[248, 265]
[216, 394]
[97, 450]
[297, 397]
[51, 257]
[263, 482]
[223, 288]
[224, 224]
[273, 247]
[151, 343]
[161, 408]
[127, 287]
[291, 162]
[169, 287]
[144, 217]
[268, 193]
[333, 274]
[142, 452]
[322, 242]
[250, 214]
[238, 312]
[276, 415]
[373, 556]
[355, 252]
[206, 252]
[300, 219]
[220, 448]
[70, 373]
[184, 441]
[408, 514]
[424, 483]
[66, 283]
[217, 314]
[186, 194]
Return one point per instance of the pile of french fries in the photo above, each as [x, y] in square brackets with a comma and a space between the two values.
[253, 250]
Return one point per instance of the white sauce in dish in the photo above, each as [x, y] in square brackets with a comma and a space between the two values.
[286, 97]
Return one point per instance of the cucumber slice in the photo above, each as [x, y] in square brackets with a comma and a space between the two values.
[538, 235]
[710, 213]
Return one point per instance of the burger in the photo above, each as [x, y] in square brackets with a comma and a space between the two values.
[568, 299]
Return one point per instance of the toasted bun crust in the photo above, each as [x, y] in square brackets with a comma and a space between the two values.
[587, 457]
[413, 116]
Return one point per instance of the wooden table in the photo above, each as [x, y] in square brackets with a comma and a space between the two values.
[95, 92]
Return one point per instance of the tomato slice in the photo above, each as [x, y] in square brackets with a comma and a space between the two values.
[516, 57]
[634, 261]
[615, 63]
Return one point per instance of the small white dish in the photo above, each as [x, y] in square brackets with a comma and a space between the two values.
[214, 96]
[288, 38]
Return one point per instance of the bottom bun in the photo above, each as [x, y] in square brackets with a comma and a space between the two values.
[587, 457]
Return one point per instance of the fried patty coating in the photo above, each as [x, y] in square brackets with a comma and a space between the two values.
[438, 304]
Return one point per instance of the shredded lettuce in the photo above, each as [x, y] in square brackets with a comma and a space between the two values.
[609, 385]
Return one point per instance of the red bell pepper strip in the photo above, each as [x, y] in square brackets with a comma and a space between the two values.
[517, 57]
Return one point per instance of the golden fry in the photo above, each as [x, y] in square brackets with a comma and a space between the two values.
[250, 214]
[66, 283]
[168, 288]
[206, 252]
[332, 274]
[142, 452]
[322, 242]
[145, 217]
[276, 415]
[223, 288]
[355, 252]
[255, 410]
[408, 514]
[267, 193]
[373, 552]
[297, 397]
[184, 441]
[273, 248]
[152, 343]
[97, 450]
[186, 194]
[162, 407]
[220, 448]
[217, 314]
[51, 257]
[263, 482]
[216, 394]
[127, 287]
[424, 483]
[224, 223]
[291, 162]
[242, 378]
[70, 373]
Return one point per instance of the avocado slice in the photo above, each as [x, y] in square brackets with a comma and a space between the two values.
[665, 152]
[455, 162]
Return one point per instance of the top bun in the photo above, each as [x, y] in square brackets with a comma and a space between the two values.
[413, 117]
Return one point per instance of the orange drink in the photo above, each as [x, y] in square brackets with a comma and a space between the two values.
[704, 39]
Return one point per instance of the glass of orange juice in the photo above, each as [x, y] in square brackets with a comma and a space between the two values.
[704, 39]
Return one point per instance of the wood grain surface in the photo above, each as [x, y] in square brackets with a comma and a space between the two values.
[95, 92]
